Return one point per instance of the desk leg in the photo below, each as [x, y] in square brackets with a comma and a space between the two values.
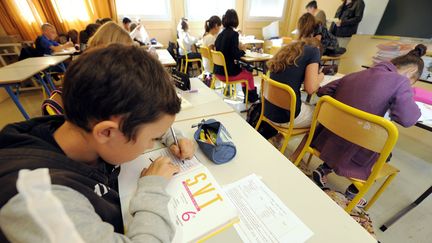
[17, 102]
[401, 213]
[44, 85]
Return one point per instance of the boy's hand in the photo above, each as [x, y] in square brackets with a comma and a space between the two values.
[162, 166]
[186, 150]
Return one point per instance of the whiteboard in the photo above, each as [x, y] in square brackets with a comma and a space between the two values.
[374, 11]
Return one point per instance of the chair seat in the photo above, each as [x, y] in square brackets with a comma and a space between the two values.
[282, 129]
[386, 171]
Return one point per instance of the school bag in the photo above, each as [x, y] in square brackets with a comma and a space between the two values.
[252, 118]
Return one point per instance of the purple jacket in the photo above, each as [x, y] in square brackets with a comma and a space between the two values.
[374, 90]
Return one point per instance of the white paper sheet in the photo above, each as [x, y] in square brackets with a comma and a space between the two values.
[426, 111]
[328, 79]
[264, 218]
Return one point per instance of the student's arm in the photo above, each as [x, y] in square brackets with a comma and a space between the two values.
[403, 108]
[358, 15]
[237, 53]
[188, 39]
[149, 207]
[329, 89]
[313, 76]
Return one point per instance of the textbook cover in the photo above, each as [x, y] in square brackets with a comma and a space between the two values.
[198, 208]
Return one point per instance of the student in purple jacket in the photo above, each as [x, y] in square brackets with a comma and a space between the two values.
[386, 86]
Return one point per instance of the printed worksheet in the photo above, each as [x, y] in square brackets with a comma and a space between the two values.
[264, 218]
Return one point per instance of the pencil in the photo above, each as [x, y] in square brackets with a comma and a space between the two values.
[175, 140]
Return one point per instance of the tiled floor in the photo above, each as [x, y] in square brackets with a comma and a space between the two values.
[412, 155]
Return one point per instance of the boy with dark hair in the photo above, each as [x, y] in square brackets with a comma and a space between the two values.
[320, 16]
[112, 115]
[126, 23]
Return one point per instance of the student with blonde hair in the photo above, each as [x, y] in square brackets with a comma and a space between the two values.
[295, 64]
[109, 33]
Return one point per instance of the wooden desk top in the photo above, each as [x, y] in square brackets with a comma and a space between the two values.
[256, 57]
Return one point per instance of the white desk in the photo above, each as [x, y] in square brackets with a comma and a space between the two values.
[165, 58]
[205, 102]
[328, 221]
[248, 41]
[46, 61]
[157, 45]
[17, 72]
[67, 52]
[14, 76]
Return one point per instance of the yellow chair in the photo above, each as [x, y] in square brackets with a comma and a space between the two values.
[205, 53]
[185, 59]
[281, 95]
[369, 131]
[218, 58]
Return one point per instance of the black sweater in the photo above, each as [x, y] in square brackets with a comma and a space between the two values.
[350, 16]
[30, 145]
[227, 42]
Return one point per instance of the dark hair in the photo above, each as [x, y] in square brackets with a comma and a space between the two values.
[306, 25]
[105, 20]
[312, 4]
[184, 25]
[230, 19]
[133, 26]
[73, 35]
[126, 20]
[100, 84]
[89, 31]
[412, 58]
[212, 22]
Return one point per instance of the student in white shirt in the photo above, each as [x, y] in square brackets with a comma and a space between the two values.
[212, 27]
[188, 41]
[139, 34]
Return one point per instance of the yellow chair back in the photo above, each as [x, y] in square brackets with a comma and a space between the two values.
[361, 128]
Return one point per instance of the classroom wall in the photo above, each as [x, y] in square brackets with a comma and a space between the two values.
[328, 6]
[166, 31]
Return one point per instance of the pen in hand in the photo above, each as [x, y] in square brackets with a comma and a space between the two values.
[175, 140]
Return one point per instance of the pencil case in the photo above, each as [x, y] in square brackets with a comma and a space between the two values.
[215, 141]
[422, 95]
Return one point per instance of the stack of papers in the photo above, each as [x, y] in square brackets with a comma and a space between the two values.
[390, 50]
[264, 218]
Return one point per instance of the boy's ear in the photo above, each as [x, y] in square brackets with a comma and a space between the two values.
[104, 131]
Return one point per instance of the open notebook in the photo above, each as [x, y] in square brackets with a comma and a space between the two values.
[199, 207]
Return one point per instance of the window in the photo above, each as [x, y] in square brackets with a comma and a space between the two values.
[204, 9]
[144, 9]
[266, 9]
[71, 10]
[27, 13]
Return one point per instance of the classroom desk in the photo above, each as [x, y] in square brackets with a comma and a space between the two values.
[248, 41]
[328, 221]
[14, 74]
[67, 52]
[165, 58]
[39, 61]
[205, 102]
[10, 77]
[256, 57]
[157, 45]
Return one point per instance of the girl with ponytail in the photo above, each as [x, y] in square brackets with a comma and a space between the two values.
[212, 27]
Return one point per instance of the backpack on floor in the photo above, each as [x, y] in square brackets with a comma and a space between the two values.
[53, 105]
[252, 118]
